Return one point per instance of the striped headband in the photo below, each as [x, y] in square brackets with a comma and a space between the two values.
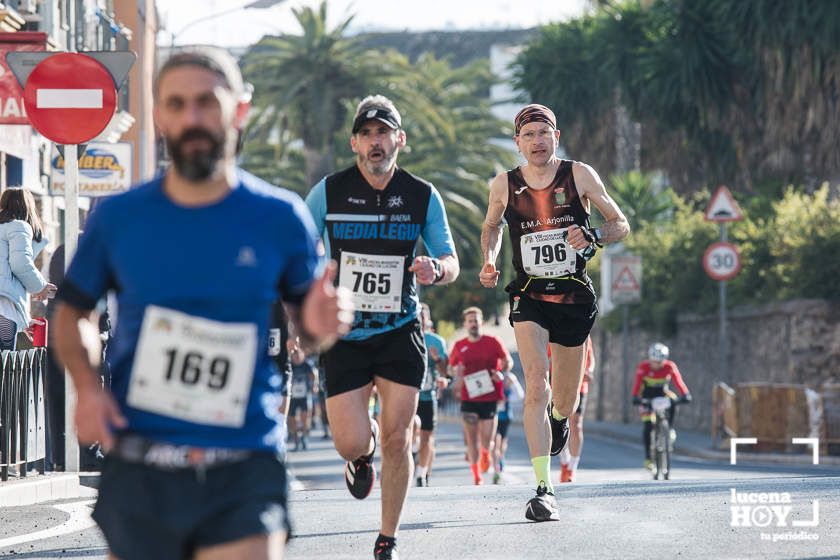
[534, 113]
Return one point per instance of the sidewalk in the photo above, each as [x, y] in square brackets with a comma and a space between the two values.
[699, 444]
[38, 489]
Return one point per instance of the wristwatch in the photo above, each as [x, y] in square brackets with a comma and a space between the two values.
[438, 271]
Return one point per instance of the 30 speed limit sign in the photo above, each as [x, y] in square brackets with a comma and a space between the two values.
[722, 261]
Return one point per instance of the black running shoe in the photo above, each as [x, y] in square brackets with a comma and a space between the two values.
[421, 481]
[559, 433]
[361, 474]
[383, 551]
[543, 506]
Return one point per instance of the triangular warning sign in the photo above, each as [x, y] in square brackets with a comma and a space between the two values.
[723, 208]
[625, 281]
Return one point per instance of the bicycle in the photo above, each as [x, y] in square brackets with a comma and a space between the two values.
[661, 446]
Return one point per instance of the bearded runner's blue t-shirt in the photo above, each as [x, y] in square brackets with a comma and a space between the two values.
[225, 262]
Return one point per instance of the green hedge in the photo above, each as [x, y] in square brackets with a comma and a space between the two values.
[793, 251]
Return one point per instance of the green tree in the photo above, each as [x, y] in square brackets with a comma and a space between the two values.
[785, 255]
[639, 199]
[452, 134]
[725, 90]
[459, 156]
[306, 83]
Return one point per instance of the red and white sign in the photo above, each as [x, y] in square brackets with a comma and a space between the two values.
[723, 208]
[12, 110]
[722, 261]
[70, 98]
[626, 278]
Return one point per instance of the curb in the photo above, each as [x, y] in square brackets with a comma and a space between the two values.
[42, 488]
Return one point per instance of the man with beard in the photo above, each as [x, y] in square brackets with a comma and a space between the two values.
[546, 204]
[480, 363]
[371, 216]
[196, 258]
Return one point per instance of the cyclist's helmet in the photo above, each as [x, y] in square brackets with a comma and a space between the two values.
[658, 352]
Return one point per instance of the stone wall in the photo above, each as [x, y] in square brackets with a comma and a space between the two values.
[791, 342]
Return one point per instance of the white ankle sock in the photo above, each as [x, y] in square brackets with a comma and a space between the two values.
[564, 456]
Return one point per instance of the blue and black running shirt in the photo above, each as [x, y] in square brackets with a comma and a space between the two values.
[372, 235]
[195, 286]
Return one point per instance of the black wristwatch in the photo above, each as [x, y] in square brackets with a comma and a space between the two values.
[438, 271]
[593, 235]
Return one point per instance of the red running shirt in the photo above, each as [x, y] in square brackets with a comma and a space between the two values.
[486, 353]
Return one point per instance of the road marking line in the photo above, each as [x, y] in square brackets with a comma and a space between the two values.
[80, 520]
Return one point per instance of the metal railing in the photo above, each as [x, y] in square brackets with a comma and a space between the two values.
[22, 418]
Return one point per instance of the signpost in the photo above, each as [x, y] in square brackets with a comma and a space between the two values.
[626, 288]
[70, 98]
[722, 262]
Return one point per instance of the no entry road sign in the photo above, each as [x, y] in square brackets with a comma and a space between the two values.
[70, 98]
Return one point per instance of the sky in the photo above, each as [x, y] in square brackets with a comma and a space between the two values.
[243, 27]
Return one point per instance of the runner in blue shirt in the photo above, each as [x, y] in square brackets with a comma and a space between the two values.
[427, 404]
[196, 258]
[371, 216]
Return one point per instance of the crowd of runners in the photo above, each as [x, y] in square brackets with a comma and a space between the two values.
[284, 311]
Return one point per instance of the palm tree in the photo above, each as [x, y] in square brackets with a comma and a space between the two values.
[459, 156]
[309, 81]
[306, 88]
[726, 90]
[635, 193]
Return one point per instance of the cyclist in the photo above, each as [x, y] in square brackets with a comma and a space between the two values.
[653, 377]
[427, 405]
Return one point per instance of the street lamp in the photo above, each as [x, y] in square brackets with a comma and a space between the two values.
[255, 5]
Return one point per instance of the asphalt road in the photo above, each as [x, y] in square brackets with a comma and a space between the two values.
[613, 510]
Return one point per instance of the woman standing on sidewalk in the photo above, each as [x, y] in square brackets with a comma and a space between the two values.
[21, 239]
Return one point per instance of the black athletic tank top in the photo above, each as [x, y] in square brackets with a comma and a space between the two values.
[547, 268]
[361, 222]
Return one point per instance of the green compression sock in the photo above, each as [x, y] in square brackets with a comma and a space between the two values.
[542, 470]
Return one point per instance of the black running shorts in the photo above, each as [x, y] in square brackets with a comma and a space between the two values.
[146, 512]
[568, 324]
[303, 404]
[485, 410]
[398, 355]
[502, 427]
[427, 411]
